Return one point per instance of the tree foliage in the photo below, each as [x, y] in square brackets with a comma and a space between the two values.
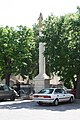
[16, 51]
[62, 37]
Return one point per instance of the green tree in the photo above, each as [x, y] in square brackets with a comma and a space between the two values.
[16, 48]
[62, 37]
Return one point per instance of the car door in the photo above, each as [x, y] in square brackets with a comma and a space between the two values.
[1, 92]
[7, 92]
[60, 94]
[65, 95]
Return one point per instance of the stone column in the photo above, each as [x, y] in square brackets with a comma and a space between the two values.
[41, 58]
[41, 81]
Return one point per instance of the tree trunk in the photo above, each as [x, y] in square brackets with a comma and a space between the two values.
[78, 87]
[74, 83]
[7, 70]
[7, 79]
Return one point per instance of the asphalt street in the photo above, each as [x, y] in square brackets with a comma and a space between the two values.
[29, 110]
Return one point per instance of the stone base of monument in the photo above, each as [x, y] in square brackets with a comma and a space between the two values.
[41, 81]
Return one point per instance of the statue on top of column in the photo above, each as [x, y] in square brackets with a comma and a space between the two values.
[40, 23]
[40, 19]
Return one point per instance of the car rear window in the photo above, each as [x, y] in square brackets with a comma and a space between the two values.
[46, 91]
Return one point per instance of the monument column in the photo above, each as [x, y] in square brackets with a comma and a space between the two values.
[41, 58]
[42, 80]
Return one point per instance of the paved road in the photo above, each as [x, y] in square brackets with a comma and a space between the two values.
[28, 110]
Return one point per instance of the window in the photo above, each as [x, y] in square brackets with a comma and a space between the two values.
[6, 88]
[58, 91]
[46, 91]
[63, 91]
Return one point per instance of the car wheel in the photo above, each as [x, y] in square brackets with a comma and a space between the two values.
[12, 98]
[56, 102]
[71, 100]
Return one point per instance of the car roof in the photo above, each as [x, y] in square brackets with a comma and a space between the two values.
[54, 88]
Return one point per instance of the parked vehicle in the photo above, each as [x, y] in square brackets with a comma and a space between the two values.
[53, 96]
[26, 92]
[73, 91]
[7, 92]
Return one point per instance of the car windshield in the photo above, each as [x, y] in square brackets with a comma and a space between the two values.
[46, 91]
[6, 88]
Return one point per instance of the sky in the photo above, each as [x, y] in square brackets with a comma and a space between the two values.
[26, 12]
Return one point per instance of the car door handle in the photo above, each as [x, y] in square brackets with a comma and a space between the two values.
[63, 95]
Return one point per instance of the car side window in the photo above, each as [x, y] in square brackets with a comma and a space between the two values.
[6, 88]
[63, 91]
[58, 91]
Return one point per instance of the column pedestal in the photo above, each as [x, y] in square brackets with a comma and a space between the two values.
[41, 81]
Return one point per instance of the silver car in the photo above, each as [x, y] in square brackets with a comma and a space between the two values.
[7, 92]
[53, 96]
